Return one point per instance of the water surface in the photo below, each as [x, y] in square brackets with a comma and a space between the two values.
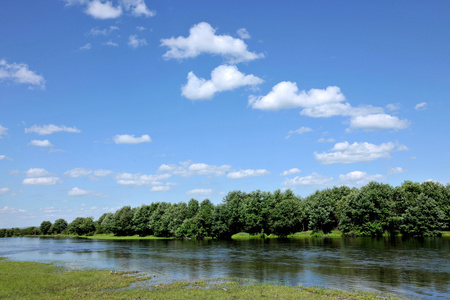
[410, 267]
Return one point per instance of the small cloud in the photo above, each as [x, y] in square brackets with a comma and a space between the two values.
[200, 192]
[421, 106]
[77, 172]
[77, 192]
[248, 173]
[41, 181]
[85, 47]
[131, 139]
[141, 28]
[107, 31]
[49, 129]
[393, 106]
[4, 191]
[103, 10]
[41, 143]
[111, 44]
[290, 172]
[19, 73]
[134, 42]
[359, 178]
[243, 33]
[396, 170]
[3, 130]
[378, 122]
[301, 130]
[36, 172]
[10, 210]
[313, 180]
[160, 188]
[323, 140]
[5, 157]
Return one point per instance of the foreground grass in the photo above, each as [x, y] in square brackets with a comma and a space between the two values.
[29, 280]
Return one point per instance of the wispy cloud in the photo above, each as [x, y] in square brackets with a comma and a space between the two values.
[20, 73]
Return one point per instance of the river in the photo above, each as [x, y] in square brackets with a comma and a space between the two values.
[417, 268]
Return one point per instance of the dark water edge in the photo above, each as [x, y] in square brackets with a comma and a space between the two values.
[417, 268]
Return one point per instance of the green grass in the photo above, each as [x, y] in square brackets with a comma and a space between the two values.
[30, 280]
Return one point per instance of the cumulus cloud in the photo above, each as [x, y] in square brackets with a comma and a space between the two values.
[290, 172]
[248, 173]
[134, 42]
[339, 109]
[314, 180]
[200, 192]
[3, 131]
[77, 172]
[141, 180]
[286, 95]
[358, 178]
[19, 73]
[345, 153]
[189, 169]
[378, 122]
[301, 130]
[103, 10]
[137, 8]
[36, 172]
[131, 139]
[203, 39]
[223, 78]
[243, 33]
[41, 143]
[77, 192]
[41, 181]
[421, 106]
[49, 129]
[396, 170]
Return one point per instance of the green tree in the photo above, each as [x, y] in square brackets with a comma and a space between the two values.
[45, 227]
[82, 226]
[141, 219]
[423, 218]
[59, 226]
[123, 225]
[287, 217]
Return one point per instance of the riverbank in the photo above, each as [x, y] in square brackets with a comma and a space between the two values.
[30, 280]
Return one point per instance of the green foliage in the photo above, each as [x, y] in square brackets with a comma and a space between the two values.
[81, 226]
[287, 217]
[45, 227]
[59, 226]
[122, 221]
[141, 218]
[422, 218]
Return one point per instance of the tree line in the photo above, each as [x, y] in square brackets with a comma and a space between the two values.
[411, 209]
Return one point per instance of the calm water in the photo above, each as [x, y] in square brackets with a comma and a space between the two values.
[412, 268]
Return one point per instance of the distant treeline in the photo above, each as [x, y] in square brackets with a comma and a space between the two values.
[412, 209]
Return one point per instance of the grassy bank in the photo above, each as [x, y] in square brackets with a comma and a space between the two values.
[29, 280]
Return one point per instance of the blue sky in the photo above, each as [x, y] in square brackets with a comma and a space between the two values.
[124, 102]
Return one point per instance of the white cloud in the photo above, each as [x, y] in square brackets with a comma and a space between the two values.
[140, 180]
[189, 169]
[396, 170]
[223, 78]
[378, 122]
[131, 139]
[141, 28]
[103, 10]
[77, 172]
[85, 47]
[10, 210]
[243, 33]
[3, 131]
[41, 143]
[5, 157]
[393, 106]
[314, 179]
[19, 73]
[346, 153]
[160, 188]
[49, 129]
[290, 172]
[339, 109]
[106, 31]
[134, 42]
[200, 192]
[286, 95]
[301, 130]
[359, 178]
[4, 191]
[137, 8]
[36, 172]
[77, 192]
[421, 106]
[111, 44]
[202, 39]
[102, 173]
[248, 173]
[323, 140]
[41, 181]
